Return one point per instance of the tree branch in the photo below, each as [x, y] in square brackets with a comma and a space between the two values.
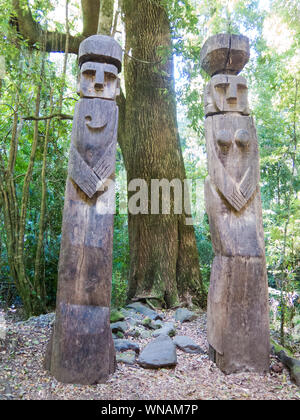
[48, 117]
[34, 33]
[90, 16]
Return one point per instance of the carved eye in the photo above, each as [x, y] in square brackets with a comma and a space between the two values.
[242, 138]
[224, 139]
[89, 73]
[242, 86]
[222, 86]
[110, 76]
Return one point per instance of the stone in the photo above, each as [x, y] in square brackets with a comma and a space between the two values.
[119, 327]
[153, 325]
[159, 353]
[157, 324]
[145, 334]
[184, 315]
[133, 321]
[167, 329]
[116, 316]
[187, 345]
[225, 53]
[127, 312]
[128, 357]
[124, 345]
[138, 307]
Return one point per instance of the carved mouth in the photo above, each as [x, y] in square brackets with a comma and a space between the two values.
[95, 125]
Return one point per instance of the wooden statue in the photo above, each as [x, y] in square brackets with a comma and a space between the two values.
[238, 313]
[81, 349]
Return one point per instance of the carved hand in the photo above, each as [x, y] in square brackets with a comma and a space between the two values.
[82, 174]
[248, 184]
[236, 198]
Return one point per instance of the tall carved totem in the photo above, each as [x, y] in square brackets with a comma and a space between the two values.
[238, 313]
[81, 349]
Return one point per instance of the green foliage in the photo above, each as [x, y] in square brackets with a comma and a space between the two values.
[119, 290]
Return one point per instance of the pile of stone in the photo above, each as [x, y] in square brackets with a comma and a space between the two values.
[137, 321]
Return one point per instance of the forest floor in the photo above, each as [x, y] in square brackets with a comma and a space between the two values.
[22, 375]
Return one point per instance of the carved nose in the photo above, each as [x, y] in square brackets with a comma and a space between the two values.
[99, 81]
[99, 86]
[231, 96]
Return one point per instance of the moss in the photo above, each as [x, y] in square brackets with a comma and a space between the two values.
[278, 348]
[147, 322]
[120, 335]
[116, 316]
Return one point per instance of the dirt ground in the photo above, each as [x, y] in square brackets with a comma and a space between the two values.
[22, 375]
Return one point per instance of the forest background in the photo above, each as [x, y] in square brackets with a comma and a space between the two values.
[37, 98]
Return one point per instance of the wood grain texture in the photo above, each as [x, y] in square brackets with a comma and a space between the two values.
[225, 53]
[81, 348]
[94, 142]
[226, 93]
[231, 192]
[237, 313]
[102, 49]
[238, 316]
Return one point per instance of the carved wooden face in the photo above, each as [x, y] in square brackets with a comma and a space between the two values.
[226, 93]
[99, 80]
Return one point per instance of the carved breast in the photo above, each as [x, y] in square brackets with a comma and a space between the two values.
[235, 144]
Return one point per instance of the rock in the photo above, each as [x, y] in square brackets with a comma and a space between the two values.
[187, 345]
[167, 329]
[138, 307]
[152, 325]
[116, 316]
[135, 332]
[126, 312]
[45, 320]
[119, 327]
[159, 353]
[147, 322]
[157, 324]
[184, 315]
[128, 357]
[124, 345]
[146, 334]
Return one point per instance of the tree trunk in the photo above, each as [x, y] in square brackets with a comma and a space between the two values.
[164, 261]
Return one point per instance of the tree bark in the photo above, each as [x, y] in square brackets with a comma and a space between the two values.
[106, 17]
[163, 256]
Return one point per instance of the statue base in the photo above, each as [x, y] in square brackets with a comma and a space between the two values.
[81, 349]
[238, 315]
